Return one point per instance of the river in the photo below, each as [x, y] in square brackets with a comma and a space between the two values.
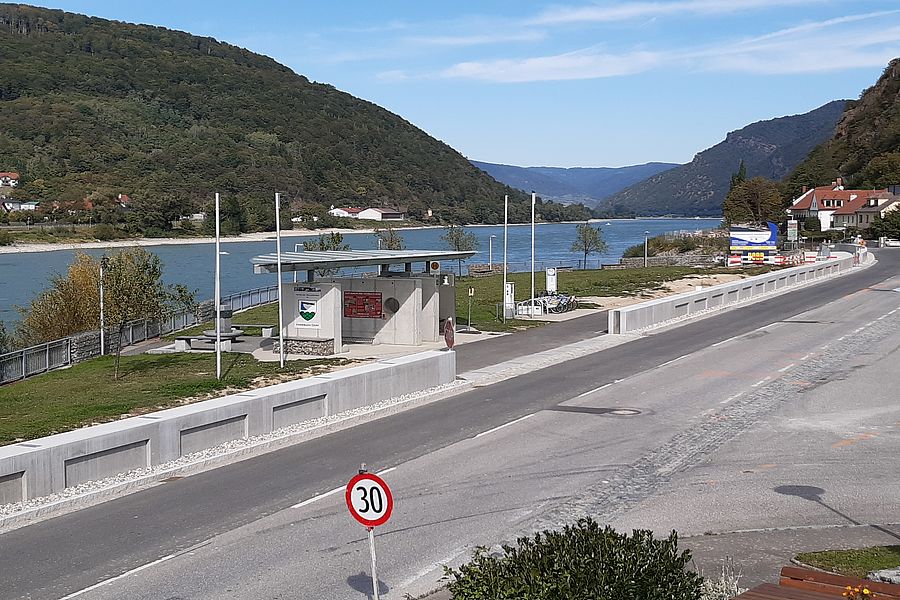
[23, 275]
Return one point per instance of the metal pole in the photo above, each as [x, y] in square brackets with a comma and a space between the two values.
[505, 228]
[102, 319]
[646, 240]
[218, 299]
[491, 251]
[374, 565]
[533, 199]
[278, 260]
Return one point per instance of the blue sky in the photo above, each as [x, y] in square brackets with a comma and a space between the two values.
[605, 83]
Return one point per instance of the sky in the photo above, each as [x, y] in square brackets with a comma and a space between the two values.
[604, 83]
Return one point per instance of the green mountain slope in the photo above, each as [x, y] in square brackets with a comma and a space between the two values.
[96, 106]
[768, 148]
[865, 148]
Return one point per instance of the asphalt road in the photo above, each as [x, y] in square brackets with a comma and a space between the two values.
[240, 514]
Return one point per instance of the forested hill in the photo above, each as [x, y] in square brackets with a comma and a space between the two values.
[865, 148]
[769, 149]
[91, 106]
[573, 184]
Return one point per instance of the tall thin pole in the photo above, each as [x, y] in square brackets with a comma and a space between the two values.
[278, 260]
[505, 228]
[375, 594]
[102, 319]
[646, 243]
[533, 200]
[218, 299]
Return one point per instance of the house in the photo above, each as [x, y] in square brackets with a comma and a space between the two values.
[32, 206]
[348, 213]
[8, 179]
[825, 201]
[11, 205]
[876, 206]
[380, 214]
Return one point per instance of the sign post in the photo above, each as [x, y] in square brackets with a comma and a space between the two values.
[449, 333]
[469, 322]
[370, 502]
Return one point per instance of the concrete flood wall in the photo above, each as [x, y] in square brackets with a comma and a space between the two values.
[47, 465]
[653, 312]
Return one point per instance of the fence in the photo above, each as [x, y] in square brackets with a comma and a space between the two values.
[35, 360]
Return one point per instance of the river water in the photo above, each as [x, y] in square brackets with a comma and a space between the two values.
[23, 275]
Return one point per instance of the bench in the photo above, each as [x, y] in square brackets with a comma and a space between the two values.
[832, 585]
[183, 342]
[805, 584]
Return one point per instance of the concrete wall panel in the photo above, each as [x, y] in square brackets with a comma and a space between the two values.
[107, 462]
[12, 487]
[212, 434]
[298, 411]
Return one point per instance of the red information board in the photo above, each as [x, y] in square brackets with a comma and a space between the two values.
[362, 305]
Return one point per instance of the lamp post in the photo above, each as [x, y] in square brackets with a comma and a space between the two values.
[505, 238]
[104, 262]
[491, 251]
[646, 243]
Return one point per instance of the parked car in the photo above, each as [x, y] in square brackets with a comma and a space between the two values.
[892, 243]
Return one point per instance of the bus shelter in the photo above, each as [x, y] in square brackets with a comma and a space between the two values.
[406, 305]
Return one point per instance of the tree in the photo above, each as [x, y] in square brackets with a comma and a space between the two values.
[6, 341]
[333, 241]
[460, 240]
[389, 238]
[812, 224]
[587, 241]
[756, 200]
[739, 177]
[134, 290]
[71, 304]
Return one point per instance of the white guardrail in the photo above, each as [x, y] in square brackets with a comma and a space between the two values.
[662, 310]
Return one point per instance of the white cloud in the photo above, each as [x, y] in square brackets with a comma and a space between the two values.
[807, 48]
[584, 64]
[625, 11]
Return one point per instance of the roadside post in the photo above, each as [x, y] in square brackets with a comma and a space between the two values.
[469, 321]
[371, 503]
[449, 333]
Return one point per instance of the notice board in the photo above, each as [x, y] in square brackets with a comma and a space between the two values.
[362, 305]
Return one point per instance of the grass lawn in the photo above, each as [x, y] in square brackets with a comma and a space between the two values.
[853, 563]
[602, 282]
[69, 398]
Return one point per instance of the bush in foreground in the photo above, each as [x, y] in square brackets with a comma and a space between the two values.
[583, 560]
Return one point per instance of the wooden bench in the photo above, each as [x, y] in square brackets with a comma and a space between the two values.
[805, 584]
[832, 585]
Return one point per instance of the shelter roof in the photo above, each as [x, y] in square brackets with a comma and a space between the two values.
[335, 259]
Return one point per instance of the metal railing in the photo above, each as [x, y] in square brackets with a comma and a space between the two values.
[35, 360]
[251, 298]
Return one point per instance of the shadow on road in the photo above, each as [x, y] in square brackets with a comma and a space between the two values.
[362, 583]
[814, 494]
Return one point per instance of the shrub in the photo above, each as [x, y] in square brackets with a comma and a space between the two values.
[726, 586]
[6, 239]
[581, 561]
[104, 232]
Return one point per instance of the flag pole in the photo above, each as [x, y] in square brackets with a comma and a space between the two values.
[218, 299]
[505, 232]
[533, 197]
[278, 259]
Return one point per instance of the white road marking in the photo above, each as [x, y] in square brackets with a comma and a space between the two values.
[504, 425]
[117, 577]
[760, 382]
[669, 362]
[319, 497]
[892, 312]
[825, 347]
[428, 569]
[805, 356]
[842, 338]
[783, 369]
[730, 398]
[602, 387]
[386, 471]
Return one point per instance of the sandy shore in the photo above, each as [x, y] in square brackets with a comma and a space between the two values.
[262, 236]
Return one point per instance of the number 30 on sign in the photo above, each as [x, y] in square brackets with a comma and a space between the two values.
[369, 499]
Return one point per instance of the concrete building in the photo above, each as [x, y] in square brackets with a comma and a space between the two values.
[825, 202]
[393, 307]
[876, 207]
[9, 179]
[347, 213]
[381, 214]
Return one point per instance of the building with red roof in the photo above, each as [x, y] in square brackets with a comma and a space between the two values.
[834, 206]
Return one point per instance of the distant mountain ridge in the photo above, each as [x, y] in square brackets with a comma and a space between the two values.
[771, 149]
[574, 184]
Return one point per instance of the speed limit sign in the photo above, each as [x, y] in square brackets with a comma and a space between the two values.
[369, 499]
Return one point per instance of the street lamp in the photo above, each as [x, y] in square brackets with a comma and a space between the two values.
[646, 243]
[104, 262]
[491, 251]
